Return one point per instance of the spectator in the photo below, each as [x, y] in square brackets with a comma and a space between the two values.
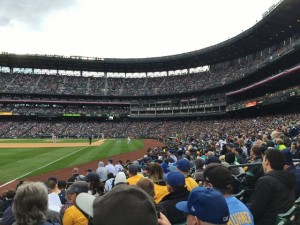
[156, 175]
[177, 192]
[119, 166]
[289, 166]
[75, 174]
[102, 171]
[133, 175]
[109, 183]
[198, 175]
[110, 167]
[95, 186]
[274, 192]
[219, 177]
[30, 204]
[120, 179]
[147, 185]
[124, 204]
[205, 206]
[230, 159]
[183, 166]
[53, 188]
[253, 173]
[73, 215]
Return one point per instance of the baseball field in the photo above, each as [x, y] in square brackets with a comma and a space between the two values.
[26, 158]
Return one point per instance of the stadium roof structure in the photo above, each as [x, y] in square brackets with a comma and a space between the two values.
[279, 23]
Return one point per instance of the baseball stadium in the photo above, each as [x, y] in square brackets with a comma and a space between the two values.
[231, 108]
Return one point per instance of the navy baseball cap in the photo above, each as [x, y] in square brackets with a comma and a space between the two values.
[207, 204]
[175, 179]
[183, 165]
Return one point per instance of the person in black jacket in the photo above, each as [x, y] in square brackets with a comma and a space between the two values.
[274, 192]
[253, 173]
[178, 192]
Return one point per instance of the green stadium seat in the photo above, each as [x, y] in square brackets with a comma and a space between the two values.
[297, 202]
[287, 218]
[240, 195]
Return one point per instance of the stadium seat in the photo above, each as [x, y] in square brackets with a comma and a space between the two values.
[240, 195]
[236, 185]
[297, 202]
[291, 217]
[183, 223]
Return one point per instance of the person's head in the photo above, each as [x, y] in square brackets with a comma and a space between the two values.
[205, 206]
[213, 159]
[219, 177]
[120, 178]
[110, 161]
[124, 204]
[273, 160]
[230, 157]
[76, 188]
[199, 163]
[147, 185]
[62, 184]
[30, 203]
[75, 170]
[51, 184]
[155, 172]
[255, 152]
[288, 157]
[279, 141]
[132, 170]
[183, 165]
[175, 181]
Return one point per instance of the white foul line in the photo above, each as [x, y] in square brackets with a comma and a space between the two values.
[40, 168]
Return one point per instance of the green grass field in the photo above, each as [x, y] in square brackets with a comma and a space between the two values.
[24, 162]
[45, 140]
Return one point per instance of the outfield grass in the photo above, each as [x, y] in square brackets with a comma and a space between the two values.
[46, 140]
[24, 162]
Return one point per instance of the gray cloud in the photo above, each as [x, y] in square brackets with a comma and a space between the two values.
[30, 12]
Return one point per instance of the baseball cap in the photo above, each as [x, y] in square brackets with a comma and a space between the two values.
[218, 175]
[120, 178]
[171, 151]
[125, 204]
[207, 204]
[213, 159]
[183, 164]
[175, 179]
[89, 170]
[110, 160]
[92, 177]
[78, 187]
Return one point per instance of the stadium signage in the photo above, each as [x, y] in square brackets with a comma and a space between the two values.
[179, 107]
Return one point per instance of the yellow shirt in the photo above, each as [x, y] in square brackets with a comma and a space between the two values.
[160, 192]
[134, 179]
[73, 216]
[190, 183]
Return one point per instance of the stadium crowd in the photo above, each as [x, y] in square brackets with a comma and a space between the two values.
[199, 177]
[217, 75]
[161, 129]
[196, 178]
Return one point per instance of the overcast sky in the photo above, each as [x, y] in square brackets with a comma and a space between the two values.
[122, 28]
